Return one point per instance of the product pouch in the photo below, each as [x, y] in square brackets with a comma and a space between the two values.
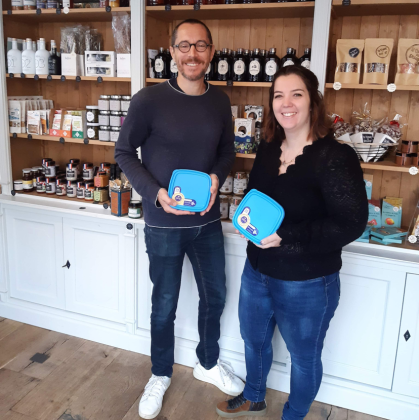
[408, 62]
[14, 116]
[377, 57]
[349, 59]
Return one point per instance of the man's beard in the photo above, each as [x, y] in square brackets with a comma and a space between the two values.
[193, 78]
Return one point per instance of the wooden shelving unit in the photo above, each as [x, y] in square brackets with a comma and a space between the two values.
[216, 83]
[375, 7]
[374, 87]
[66, 140]
[83, 78]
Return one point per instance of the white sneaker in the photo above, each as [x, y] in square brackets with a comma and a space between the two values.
[152, 399]
[222, 376]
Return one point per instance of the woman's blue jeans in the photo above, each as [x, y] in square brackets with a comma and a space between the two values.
[302, 310]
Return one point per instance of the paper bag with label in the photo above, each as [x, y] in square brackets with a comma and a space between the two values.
[349, 58]
[408, 62]
[377, 60]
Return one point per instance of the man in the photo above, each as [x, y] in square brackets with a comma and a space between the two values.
[184, 123]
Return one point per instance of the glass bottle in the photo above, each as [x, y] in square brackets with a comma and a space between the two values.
[289, 59]
[239, 66]
[209, 74]
[223, 66]
[42, 59]
[271, 65]
[255, 67]
[28, 58]
[305, 60]
[54, 62]
[14, 59]
[160, 65]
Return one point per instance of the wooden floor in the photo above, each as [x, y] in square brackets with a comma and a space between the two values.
[46, 375]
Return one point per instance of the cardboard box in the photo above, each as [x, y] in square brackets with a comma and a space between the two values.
[244, 135]
[120, 201]
[123, 65]
[392, 212]
[255, 112]
[368, 184]
[374, 213]
[100, 63]
[72, 64]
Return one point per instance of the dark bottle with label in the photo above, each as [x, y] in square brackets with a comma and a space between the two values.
[161, 65]
[223, 66]
[209, 74]
[262, 55]
[239, 66]
[255, 67]
[289, 59]
[305, 60]
[173, 70]
[271, 65]
[54, 63]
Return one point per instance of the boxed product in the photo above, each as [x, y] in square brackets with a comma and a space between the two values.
[34, 122]
[255, 112]
[386, 241]
[237, 111]
[368, 185]
[387, 233]
[100, 63]
[72, 64]
[14, 116]
[392, 212]
[244, 133]
[123, 65]
[151, 56]
[349, 59]
[377, 57]
[374, 213]
[408, 62]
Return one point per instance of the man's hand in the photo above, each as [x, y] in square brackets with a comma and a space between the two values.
[272, 241]
[214, 191]
[166, 202]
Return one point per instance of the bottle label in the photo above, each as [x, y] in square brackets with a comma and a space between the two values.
[91, 133]
[254, 68]
[239, 67]
[158, 65]
[270, 68]
[289, 63]
[223, 67]
[224, 210]
[306, 64]
[208, 69]
[173, 66]
[90, 116]
[27, 185]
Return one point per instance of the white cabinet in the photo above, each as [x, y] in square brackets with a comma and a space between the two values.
[35, 256]
[361, 343]
[406, 377]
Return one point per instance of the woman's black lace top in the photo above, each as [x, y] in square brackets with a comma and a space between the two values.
[323, 195]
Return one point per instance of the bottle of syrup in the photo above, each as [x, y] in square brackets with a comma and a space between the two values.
[289, 59]
[271, 65]
[161, 65]
[305, 60]
[255, 67]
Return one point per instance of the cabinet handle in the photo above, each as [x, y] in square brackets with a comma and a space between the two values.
[67, 264]
[129, 226]
[407, 335]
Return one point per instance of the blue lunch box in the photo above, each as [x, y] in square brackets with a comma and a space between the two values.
[258, 216]
[191, 189]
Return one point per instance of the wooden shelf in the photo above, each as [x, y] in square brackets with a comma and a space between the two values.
[66, 140]
[74, 15]
[213, 82]
[246, 156]
[372, 87]
[385, 165]
[376, 7]
[83, 78]
[234, 11]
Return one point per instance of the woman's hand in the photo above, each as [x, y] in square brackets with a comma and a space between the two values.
[242, 236]
[272, 241]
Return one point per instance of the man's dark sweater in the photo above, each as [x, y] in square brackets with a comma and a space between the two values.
[323, 195]
[175, 131]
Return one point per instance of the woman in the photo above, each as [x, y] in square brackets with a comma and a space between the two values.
[292, 278]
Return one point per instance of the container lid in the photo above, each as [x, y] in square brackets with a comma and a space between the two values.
[105, 127]
[116, 97]
[126, 97]
[258, 216]
[74, 160]
[92, 107]
[119, 113]
[50, 163]
[87, 164]
[51, 179]
[40, 178]
[105, 112]
[104, 97]
[89, 184]
[80, 184]
[18, 181]
[191, 189]
[125, 113]
[115, 128]
[102, 164]
[135, 204]
[93, 124]
[26, 170]
[70, 183]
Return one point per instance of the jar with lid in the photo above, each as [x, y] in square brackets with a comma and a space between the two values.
[36, 171]
[29, 4]
[17, 4]
[106, 167]
[76, 162]
[61, 186]
[104, 3]
[227, 187]
[41, 185]
[101, 194]
[89, 191]
[45, 160]
[93, 131]
[124, 115]
[27, 180]
[88, 171]
[18, 185]
[115, 133]
[115, 103]
[125, 103]
[81, 188]
[71, 189]
[104, 117]
[234, 204]
[104, 133]
[240, 183]
[50, 185]
[135, 209]
[115, 118]
[92, 114]
[104, 103]
[50, 169]
[71, 172]
[224, 207]
[102, 179]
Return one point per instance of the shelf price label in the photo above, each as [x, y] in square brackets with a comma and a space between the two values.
[62, 141]
[337, 86]
[168, 7]
[412, 239]
[86, 141]
[413, 170]
[391, 87]
[58, 11]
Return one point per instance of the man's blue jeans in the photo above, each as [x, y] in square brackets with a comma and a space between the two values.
[302, 310]
[166, 248]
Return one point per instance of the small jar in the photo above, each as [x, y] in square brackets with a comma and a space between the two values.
[403, 159]
[44, 161]
[224, 207]
[29, 4]
[410, 146]
[104, 103]
[115, 120]
[234, 204]
[71, 189]
[415, 159]
[135, 209]
[93, 131]
[115, 103]
[125, 103]
[227, 187]
[18, 185]
[41, 4]
[101, 194]
[89, 191]
[71, 172]
[240, 183]
[88, 171]
[50, 185]
[27, 180]
[61, 186]
[101, 179]
[50, 169]
[114, 3]
[105, 167]
[36, 171]
[104, 117]
[92, 114]
[104, 133]
[52, 4]
[81, 188]
[76, 162]
[115, 133]
[17, 4]
[124, 115]
[104, 3]
[41, 185]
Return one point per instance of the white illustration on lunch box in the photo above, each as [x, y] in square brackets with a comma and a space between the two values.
[181, 200]
[244, 221]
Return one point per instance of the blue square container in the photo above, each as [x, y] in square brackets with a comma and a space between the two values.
[191, 189]
[258, 216]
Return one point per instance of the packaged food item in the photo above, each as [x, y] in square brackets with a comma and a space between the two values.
[14, 116]
[408, 62]
[374, 213]
[61, 186]
[377, 57]
[93, 131]
[392, 212]
[18, 185]
[17, 4]
[244, 132]
[368, 178]
[224, 204]
[349, 58]
[81, 188]
[135, 209]
[227, 187]
[255, 112]
[104, 133]
[393, 129]
[234, 204]
[409, 146]
[34, 122]
[240, 183]
[342, 129]
[404, 159]
[92, 114]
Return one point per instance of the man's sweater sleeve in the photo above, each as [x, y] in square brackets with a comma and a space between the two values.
[225, 150]
[134, 133]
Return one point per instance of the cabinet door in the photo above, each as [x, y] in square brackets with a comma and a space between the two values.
[35, 257]
[95, 281]
[406, 376]
[361, 343]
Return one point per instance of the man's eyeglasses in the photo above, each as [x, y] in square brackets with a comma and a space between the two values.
[185, 46]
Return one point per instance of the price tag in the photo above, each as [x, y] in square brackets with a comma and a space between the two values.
[58, 11]
[99, 79]
[413, 170]
[30, 136]
[49, 77]
[38, 11]
[66, 10]
[62, 141]
[391, 87]
[412, 239]
[63, 78]
[86, 141]
[168, 7]
[196, 6]
[22, 75]
[337, 86]
[78, 79]
[36, 77]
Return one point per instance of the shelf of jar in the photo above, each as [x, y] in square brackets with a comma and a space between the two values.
[216, 83]
[66, 139]
[234, 11]
[82, 78]
[371, 87]
[74, 15]
[376, 7]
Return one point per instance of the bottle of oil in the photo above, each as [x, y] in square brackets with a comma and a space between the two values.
[239, 66]
[289, 59]
[223, 66]
[305, 60]
[161, 65]
[255, 67]
[271, 65]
